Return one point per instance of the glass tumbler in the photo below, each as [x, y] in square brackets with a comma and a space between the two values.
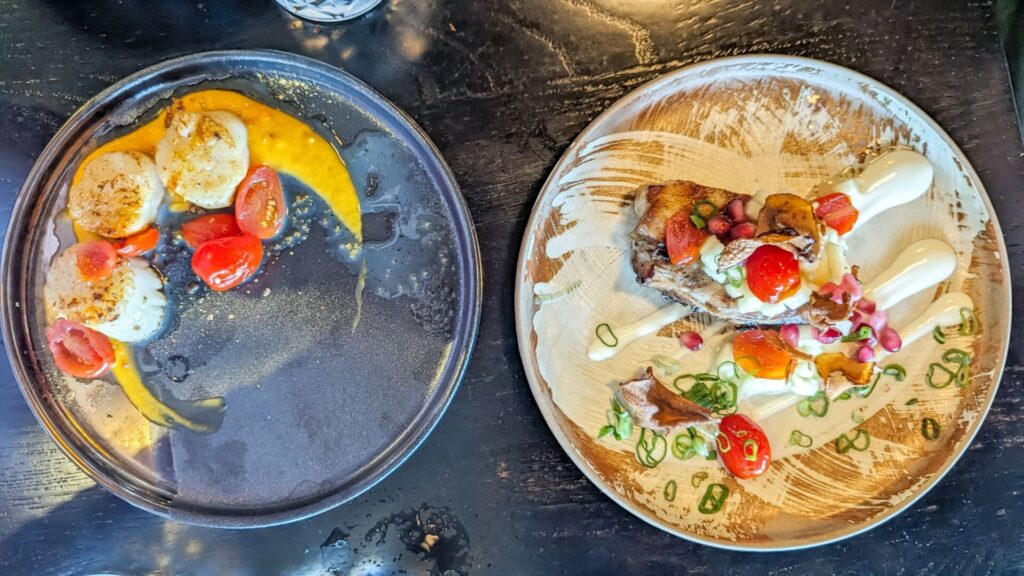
[328, 10]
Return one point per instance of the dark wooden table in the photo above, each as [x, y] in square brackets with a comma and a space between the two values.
[503, 86]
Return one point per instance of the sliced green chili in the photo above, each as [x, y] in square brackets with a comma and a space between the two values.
[860, 442]
[798, 438]
[817, 405]
[614, 340]
[670, 490]
[713, 499]
[929, 378]
[956, 356]
[843, 396]
[930, 428]
[705, 209]
[698, 478]
[897, 371]
[651, 448]
[968, 322]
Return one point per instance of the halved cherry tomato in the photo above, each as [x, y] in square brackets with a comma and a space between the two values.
[79, 351]
[209, 227]
[226, 262]
[138, 243]
[743, 446]
[773, 273]
[837, 211]
[95, 260]
[259, 206]
[682, 239]
[762, 353]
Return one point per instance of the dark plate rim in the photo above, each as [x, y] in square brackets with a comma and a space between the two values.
[130, 486]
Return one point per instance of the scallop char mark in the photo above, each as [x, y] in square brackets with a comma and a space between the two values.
[128, 305]
[203, 156]
[118, 194]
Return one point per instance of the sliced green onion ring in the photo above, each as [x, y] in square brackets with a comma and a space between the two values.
[612, 341]
[911, 402]
[897, 371]
[817, 405]
[930, 376]
[798, 438]
[651, 448]
[670, 490]
[862, 333]
[698, 221]
[956, 356]
[930, 428]
[713, 499]
[750, 450]
[698, 478]
[723, 448]
[939, 336]
[860, 442]
[968, 322]
[705, 209]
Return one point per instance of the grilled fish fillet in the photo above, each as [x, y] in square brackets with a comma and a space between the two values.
[118, 194]
[127, 306]
[690, 284]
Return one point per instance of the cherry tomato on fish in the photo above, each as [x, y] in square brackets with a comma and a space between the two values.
[773, 274]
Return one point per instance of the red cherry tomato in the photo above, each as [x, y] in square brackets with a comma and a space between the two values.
[761, 353]
[259, 206]
[682, 239]
[138, 243]
[95, 260]
[743, 446]
[224, 263]
[837, 211]
[209, 227]
[79, 351]
[773, 273]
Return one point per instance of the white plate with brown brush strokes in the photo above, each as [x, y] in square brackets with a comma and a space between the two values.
[763, 302]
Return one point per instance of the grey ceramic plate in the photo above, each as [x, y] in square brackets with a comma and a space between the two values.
[330, 377]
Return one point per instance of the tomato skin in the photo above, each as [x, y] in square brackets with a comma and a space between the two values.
[139, 243]
[837, 211]
[79, 351]
[224, 263]
[761, 353]
[259, 204]
[95, 260]
[209, 227]
[682, 239]
[747, 453]
[773, 274]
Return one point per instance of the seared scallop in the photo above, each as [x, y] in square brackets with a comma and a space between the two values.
[203, 156]
[118, 194]
[127, 306]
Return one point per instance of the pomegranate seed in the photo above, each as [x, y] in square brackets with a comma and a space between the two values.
[865, 306]
[734, 210]
[827, 337]
[850, 285]
[790, 334]
[865, 353]
[877, 320]
[691, 340]
[890, 339]
[856, 318]
[718, 225]
[744, 230]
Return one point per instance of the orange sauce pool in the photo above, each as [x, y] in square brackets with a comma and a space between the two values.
[276, 139]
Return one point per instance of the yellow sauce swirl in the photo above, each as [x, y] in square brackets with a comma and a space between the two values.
[276, 139]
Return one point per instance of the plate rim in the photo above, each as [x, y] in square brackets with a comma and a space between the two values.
[522, 322]
[470, 293]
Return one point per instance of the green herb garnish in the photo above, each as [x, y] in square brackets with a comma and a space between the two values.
[670, 490]
[698, 478]
[817, 405]
[612, 340]
[897, 371]
[860, 442]
[939, 336]
[705, 209]
[651, 448]
[698, 221]
[968, 322]
[713, 499]
[862, 333]
[620, 423]
[750, 450]
[690, 444]
[930, 428]
[911, 402]
[716, 394]
[933, 369]
[798, 438]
